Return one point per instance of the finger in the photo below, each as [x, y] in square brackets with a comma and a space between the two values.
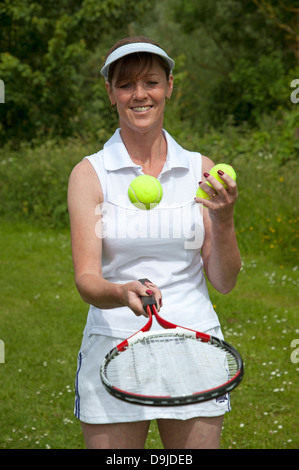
[209, 189]
[228, 185]
[206, 193]
[152, 289]
[219, 187]
[150, 284]
[226, 180]
[137, 308]
[232, 187]
[134, 291]
[156, 293]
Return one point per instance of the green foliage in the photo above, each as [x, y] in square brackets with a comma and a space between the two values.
[43, 50]
[34, 180]
[238, 60]
[234, 61]
[266, 163]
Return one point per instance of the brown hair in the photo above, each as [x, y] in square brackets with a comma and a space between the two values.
[134, 64]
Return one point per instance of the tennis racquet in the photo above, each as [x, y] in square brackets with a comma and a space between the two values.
[175, 366]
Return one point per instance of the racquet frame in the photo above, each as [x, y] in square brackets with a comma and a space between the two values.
[150, 308]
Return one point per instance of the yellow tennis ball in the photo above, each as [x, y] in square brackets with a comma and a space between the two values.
[228, 169]
[145, 192]
[202, 194]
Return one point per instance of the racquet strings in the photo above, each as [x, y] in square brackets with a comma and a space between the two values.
[170, 365]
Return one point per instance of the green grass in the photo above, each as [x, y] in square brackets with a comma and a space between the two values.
[260, 318]
[41, 322]
[42, 318]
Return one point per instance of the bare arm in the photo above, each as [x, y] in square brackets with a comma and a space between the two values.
[220, 252]
[84, 196]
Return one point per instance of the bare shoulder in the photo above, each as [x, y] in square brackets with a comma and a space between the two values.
[207, 164]
[84, 181]
[82, 169]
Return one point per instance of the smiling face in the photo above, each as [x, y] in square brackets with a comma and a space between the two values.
[139, 91]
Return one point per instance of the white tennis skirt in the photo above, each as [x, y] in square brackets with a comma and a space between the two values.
[94, 405]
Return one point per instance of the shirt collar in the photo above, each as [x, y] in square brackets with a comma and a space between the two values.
[116, 155]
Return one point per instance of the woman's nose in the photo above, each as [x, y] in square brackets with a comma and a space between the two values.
[140, 92]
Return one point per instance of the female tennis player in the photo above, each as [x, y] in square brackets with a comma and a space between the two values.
[172, 245]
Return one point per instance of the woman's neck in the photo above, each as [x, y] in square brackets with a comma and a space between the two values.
[148, 150]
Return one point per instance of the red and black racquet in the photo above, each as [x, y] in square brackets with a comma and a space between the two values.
[175, 366]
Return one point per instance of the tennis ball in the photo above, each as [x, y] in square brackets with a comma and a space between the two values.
[226, 169]
[201, 193]
[145, 192]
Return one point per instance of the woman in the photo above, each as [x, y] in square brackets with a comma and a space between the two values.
[114, 244]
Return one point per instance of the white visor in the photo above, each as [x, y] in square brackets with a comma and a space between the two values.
[131, 49]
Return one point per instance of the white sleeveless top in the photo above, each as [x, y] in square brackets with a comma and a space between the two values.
[162, 244]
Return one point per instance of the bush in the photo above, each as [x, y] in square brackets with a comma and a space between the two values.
[266, 162]
[34, 180]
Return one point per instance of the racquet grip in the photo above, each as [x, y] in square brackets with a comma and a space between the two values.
[147, 299]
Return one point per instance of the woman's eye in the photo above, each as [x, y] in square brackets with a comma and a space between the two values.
[125, 85]
[129, 85]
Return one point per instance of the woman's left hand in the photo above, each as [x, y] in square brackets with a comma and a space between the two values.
[220, 251]
[222, 200]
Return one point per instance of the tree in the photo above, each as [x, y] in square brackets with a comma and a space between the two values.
[42, 48]
[240, 56]
[285, 15]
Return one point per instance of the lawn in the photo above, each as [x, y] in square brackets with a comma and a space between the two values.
[42, 318]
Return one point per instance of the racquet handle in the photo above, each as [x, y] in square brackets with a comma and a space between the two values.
[147, 299]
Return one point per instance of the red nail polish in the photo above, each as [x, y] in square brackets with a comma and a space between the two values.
[149, 292]
[200, 182]
[160, 302]
[206, 175]
[220, 172]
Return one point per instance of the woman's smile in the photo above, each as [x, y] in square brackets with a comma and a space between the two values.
[141, 109]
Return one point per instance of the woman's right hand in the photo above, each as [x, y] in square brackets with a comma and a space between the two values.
[133, 291]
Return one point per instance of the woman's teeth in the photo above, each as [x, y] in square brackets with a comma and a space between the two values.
[141, 109]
